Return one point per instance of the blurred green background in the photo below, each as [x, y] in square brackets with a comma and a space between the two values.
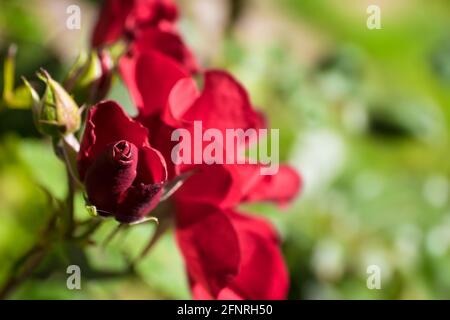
[363, 114]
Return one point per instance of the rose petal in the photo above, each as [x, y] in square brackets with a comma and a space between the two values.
[152, 167]
[149, 77]
[181, 98]
[208, 243]
[160, 135]
[262, 274]
[146, 191]
[281, 187]
[231, 184]
[167, 42]
[152, 12]
[200, 293]
[111, 22]
[224, 104]
[215, 183]
[117, 17]
[138, 201]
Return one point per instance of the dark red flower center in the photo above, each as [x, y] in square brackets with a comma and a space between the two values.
[122, 151]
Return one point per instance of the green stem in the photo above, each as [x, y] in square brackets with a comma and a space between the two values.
[70, 202]
[32, 260]
[29, 261]
[33, 257]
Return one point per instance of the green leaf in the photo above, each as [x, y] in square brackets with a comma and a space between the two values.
[19, 98]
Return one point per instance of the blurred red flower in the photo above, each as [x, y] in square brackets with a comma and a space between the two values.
[146, 25]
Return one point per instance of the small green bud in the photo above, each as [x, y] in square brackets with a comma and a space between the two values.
[13, 97]
[56, 113]
[92, 211]
[90, 78]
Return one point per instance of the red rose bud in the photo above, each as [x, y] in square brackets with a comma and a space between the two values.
[56, 113]
[90, 78]
[122, 174]
[111, 174]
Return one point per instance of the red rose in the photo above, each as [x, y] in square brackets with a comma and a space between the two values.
[118, 17]
[122, 173]
[223, 250]
[147, 25]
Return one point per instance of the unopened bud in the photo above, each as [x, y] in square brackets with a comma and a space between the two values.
[56, 113]
[90, 78]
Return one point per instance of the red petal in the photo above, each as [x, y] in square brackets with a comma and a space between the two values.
[138, 201]
[111, 22]
[146, 191]
[151, 12]
[208, 243]
[118, 16]
[181, 98]
[152, 167]
[160, 134]
[211, 184]
[262, 274]
[200, 293]
[167, 42]
[281, 187]
[224, 104]
[107, 123]
[149, 77]
[227, 186]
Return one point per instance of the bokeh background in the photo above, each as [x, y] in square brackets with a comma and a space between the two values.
[363, 114]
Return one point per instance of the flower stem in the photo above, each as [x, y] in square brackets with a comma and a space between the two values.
[29, 261]
[32, 259]
[70, 199]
